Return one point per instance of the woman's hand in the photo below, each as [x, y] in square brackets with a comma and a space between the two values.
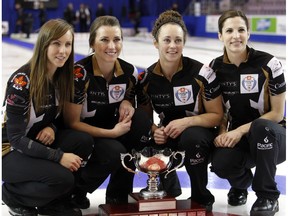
[175, 128]
[160, 136]
[71, 161]
[46, 136]
[125, 110]
[122, 127]
[228, 139]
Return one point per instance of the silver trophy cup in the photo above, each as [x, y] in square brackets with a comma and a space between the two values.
[153, 162]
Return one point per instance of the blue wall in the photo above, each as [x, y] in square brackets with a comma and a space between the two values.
[196, 27]
[9, 12]
[149, 10]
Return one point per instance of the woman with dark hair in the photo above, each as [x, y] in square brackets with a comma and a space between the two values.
[186, 95]
[251, 134]
[39, 171]
[104, 107]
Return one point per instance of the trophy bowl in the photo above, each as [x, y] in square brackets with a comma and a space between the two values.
[153, 162]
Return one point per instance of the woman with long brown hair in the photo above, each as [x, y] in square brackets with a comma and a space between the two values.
[40, 169]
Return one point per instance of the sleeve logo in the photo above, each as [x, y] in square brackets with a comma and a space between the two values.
[20, 81]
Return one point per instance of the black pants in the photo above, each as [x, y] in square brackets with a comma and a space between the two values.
[263, 147]
[197, 142]
[105, 159]
[35, 182]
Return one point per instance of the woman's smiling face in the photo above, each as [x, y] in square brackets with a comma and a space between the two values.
[234, 35]
[170, 42]
[59, 51]
[108, 43]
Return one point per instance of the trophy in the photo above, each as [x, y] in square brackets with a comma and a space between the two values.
[153, 162]
[151, 200]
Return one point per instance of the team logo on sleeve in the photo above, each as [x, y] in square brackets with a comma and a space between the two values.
[141, 75]
[249, 83]
[116, 92]
[183, 95]
[79, 72]
[20, 81]
[276, 67]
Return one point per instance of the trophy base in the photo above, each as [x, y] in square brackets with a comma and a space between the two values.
[146, 194]
[183, 207]
[152, 204]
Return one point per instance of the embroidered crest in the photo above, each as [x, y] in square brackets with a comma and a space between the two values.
[79, 72]
[249, 83]
[20, 81]
[141, 75]
[116, 92]
[183, 95]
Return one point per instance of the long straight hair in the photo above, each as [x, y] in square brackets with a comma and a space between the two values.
[63, 77]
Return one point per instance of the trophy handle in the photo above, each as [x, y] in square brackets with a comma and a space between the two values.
[182, 153]
[123, 163]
